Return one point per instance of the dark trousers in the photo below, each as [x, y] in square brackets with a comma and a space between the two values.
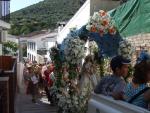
[47, 93]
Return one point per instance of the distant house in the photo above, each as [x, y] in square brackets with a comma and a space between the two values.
[12, 38]
[38, 45]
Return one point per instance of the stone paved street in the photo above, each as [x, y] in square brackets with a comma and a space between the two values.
[25, 105]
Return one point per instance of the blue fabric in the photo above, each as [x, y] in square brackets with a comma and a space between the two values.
[144, 55]
[130, 91]
[108, 44]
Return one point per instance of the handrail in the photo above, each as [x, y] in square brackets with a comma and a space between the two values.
[106, 104]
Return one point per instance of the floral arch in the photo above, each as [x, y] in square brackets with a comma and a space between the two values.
[67, 59]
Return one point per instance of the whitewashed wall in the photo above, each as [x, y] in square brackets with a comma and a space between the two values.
[12, 38]
[78, 20]
[50, 45]
[20, 79]
[41, 41]
[30, 51]
[4, 25]
[0, 49]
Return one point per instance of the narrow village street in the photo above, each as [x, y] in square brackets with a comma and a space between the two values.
[74, 56]
[25, 105]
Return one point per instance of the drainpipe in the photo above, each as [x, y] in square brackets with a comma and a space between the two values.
[20, 50]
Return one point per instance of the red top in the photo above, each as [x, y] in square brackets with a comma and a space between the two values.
[47, 76]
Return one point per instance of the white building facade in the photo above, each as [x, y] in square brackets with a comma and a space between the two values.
[38, 46]
[3, 33]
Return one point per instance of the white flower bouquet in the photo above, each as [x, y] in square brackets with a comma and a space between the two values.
[74, 50]
[93, 47]
[125, 49]
[75, 103]
[101, 23]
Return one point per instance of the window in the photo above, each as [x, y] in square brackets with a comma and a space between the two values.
[32, 58]
[28, 46]
[28, 55]
[34, 46]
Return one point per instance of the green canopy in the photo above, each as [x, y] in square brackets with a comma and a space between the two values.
[132, 17]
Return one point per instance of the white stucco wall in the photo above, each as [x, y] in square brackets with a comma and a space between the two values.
[32, 52]
[45, 41]
[12, 38]
[0, 49]
[78, 20]
[4, 25]
[49, 45]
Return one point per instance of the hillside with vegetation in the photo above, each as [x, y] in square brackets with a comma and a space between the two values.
[43, 15]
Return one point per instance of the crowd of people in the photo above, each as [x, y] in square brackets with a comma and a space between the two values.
[137, 92]
[38, 79]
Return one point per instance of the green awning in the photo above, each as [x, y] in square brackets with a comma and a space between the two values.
[132, 17]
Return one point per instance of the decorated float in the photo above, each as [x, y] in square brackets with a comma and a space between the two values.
[109, 30]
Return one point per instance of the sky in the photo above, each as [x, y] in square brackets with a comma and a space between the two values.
[19, 4]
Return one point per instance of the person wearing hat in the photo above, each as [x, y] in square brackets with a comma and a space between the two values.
[114, 85]
[138, 91]
[32, 84]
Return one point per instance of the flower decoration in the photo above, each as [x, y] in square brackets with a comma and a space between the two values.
[74, 50]
[72, 103]
[125, 49]
[102, 23]
[93, 47]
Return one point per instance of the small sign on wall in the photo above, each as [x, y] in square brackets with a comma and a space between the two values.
[0, 49]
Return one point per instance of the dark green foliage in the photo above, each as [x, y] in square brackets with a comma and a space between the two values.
[55, 56]
[43, 15]
[9, 47]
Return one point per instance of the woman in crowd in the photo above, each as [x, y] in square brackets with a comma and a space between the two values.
[47, 80]
[138, 91]
[32, 83]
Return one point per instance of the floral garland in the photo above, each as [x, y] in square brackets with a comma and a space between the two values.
[70, 101]
[74, 50]
[73, 103]
[125, 49]
[101, 23]
[93, 47]
[55, 56]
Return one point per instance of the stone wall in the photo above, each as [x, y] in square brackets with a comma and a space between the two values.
[141, 41]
